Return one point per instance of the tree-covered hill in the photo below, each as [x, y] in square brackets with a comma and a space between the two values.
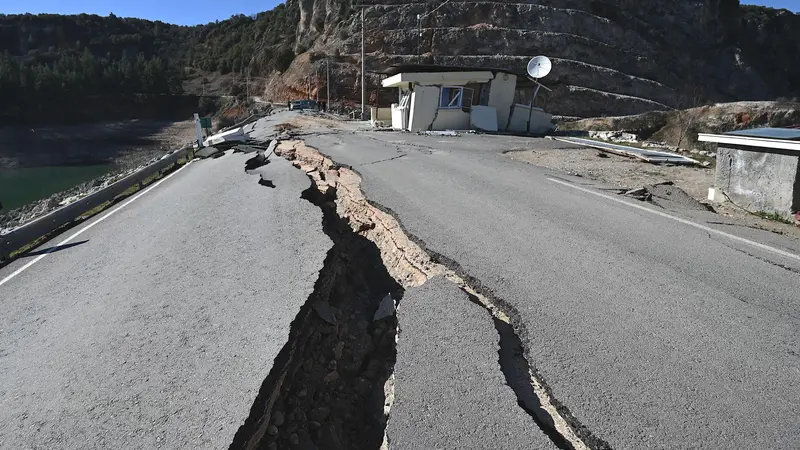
[52, 61]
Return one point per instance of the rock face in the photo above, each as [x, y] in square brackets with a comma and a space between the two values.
[611, 57]
[680, 128]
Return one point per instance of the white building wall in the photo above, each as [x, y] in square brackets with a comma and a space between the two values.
[483, 118]
[501, 96]
[541, 121]
[424, 103]
[399, 117]
[451, 119]
[519, 120]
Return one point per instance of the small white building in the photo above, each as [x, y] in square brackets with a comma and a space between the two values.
[463, 98]
[759, 169]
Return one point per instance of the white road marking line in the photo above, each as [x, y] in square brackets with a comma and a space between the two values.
[683, 221]
[104, 217]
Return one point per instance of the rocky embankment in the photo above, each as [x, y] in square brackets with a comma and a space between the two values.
[22, 215]
[128, 145]
[123, 143]
[680, 128]
[611, 57]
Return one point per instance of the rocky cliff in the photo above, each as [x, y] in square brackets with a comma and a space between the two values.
[611, 57]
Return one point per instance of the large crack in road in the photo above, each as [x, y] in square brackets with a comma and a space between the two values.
[328, 385]
[408, 264]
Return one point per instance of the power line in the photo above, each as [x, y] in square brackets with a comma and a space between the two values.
[434, 10]
[419, 29]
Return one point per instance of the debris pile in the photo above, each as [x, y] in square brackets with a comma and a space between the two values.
[614, 136]
[666, 195]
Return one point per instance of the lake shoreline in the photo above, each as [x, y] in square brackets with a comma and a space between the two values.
[108, 148]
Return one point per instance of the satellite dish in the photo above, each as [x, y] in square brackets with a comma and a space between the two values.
[539, 67]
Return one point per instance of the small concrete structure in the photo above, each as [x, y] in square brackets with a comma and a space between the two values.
[759, 169]
[462, 98]
[380, 117]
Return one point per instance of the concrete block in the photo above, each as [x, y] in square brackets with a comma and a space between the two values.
[483, 118]
[715, 195]
[759, 180]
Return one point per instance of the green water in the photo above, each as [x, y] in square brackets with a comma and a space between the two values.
[19, 187]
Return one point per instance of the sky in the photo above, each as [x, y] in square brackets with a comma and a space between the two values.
[791, 5]
[181, 12]
[192, 12]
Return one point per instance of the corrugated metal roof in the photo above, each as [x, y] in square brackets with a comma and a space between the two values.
[788, 134]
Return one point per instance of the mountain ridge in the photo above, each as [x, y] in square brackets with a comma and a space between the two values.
[611, 57]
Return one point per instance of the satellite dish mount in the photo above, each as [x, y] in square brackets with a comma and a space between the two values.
[538, 67]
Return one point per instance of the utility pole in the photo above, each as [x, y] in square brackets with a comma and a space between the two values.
[419, 38]
[363, 90]
[328, 82]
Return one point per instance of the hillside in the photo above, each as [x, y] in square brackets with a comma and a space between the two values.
[56, 68]
[611, 57]
[680, 128]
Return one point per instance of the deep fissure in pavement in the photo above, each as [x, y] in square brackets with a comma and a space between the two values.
[529, 385]
[327, 387]
[411, 263]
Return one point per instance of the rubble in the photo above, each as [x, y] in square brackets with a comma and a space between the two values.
[614, 136]
[385, 309]
[666, 195]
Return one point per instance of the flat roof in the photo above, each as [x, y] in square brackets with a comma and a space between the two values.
[769, 133]
[523, 80]
[754, 143]
[415, 68]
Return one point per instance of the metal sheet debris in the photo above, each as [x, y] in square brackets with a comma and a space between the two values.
[651, 156]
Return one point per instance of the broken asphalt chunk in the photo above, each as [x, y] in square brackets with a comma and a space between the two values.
[273, 144]
[207, 152]
[639, 194]
[255, 162]
[385, 308]
[326, 312]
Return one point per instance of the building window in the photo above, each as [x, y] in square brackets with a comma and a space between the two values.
[455, 97]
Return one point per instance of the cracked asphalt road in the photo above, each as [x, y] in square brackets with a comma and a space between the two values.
[653, 333]
[158, 331]
[453, 394]
[157, 327]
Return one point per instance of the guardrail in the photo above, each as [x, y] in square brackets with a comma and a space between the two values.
[57, 218]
